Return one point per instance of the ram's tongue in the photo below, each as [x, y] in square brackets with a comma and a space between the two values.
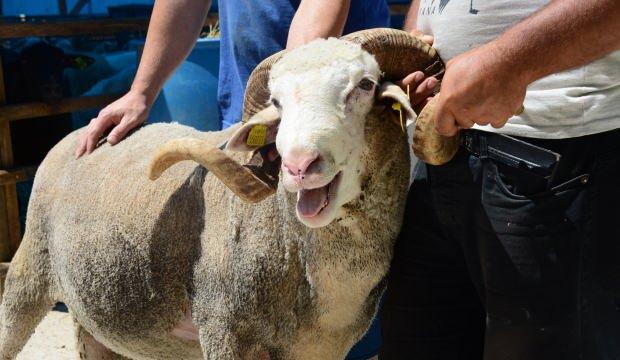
[310, 202]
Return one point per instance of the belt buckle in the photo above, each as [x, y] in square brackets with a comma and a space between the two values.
[512, 152]
[469, 140]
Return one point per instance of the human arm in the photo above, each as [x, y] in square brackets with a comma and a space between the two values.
[173, 30]
[317, 19]
[424, 87]
[487, 85]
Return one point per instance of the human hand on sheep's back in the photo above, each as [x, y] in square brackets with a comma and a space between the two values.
[482, 86]
[421, 88]
[123, 115]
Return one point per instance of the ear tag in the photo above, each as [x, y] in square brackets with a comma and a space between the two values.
[80, 63]
[257, 135]
[398, 107]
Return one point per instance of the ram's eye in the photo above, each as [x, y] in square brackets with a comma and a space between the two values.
[276, 103]
[366, 84]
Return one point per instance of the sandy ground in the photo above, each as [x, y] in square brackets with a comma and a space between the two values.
[53, 339]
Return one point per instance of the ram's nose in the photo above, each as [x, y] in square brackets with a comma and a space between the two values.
[301, 166]
[298, 163]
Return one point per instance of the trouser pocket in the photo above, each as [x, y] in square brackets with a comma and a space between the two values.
[530, 247]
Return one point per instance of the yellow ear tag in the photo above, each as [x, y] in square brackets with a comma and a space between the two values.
[257, 135]
[398, 107]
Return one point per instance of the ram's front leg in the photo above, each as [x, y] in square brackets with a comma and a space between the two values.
[218, 342]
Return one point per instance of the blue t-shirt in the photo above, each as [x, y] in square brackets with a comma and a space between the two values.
[252, 30]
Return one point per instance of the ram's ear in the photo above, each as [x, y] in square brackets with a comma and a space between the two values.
[259, 131]
[398, 99]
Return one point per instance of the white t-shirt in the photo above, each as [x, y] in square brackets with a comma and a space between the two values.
[573, 103]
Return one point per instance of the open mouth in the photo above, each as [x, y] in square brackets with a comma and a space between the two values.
[312, 203]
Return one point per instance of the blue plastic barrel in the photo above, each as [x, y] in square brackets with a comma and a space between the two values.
[189, 97]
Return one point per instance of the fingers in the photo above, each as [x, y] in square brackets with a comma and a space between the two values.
[429, 39]
[445, 122]
[91, 134]
[81, 147]
[124, 114]
[119, 132]
[499, 123]
[424, 90]
[95, 129]
[411, 80]
[420, 88]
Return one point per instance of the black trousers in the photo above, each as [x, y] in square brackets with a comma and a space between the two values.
[494, 263]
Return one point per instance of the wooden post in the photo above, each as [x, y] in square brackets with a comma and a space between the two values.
[9, 211]
[10, 235]
[78, 7]
[62, 7]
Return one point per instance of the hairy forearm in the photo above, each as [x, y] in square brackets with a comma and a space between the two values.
[317, 19]
[411, 21]
[563, 35]
[173, 30]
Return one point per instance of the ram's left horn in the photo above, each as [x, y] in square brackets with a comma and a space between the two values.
[238, 178]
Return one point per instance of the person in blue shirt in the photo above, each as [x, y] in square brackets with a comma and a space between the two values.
[250, 32]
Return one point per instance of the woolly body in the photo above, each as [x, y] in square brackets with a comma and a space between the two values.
[131, 257]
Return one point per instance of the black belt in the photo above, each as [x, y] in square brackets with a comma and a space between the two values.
[511, 151]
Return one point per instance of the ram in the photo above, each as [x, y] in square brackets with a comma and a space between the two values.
[186, 266]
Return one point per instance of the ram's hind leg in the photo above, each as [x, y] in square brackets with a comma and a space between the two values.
[91, 349]
[26, 297]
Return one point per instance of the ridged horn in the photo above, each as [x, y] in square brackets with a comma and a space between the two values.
[238, 178]
[398, 53]
[257, 90]
[428, 145]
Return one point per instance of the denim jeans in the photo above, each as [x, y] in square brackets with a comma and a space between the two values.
[495, 263]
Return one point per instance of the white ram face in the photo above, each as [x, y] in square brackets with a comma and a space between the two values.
[323, 91]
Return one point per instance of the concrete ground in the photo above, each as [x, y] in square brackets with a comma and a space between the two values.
[53, 339]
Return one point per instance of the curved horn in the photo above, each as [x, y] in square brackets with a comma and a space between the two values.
[398, 53]
[428, 145]
[256, 91]
[236, 177]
